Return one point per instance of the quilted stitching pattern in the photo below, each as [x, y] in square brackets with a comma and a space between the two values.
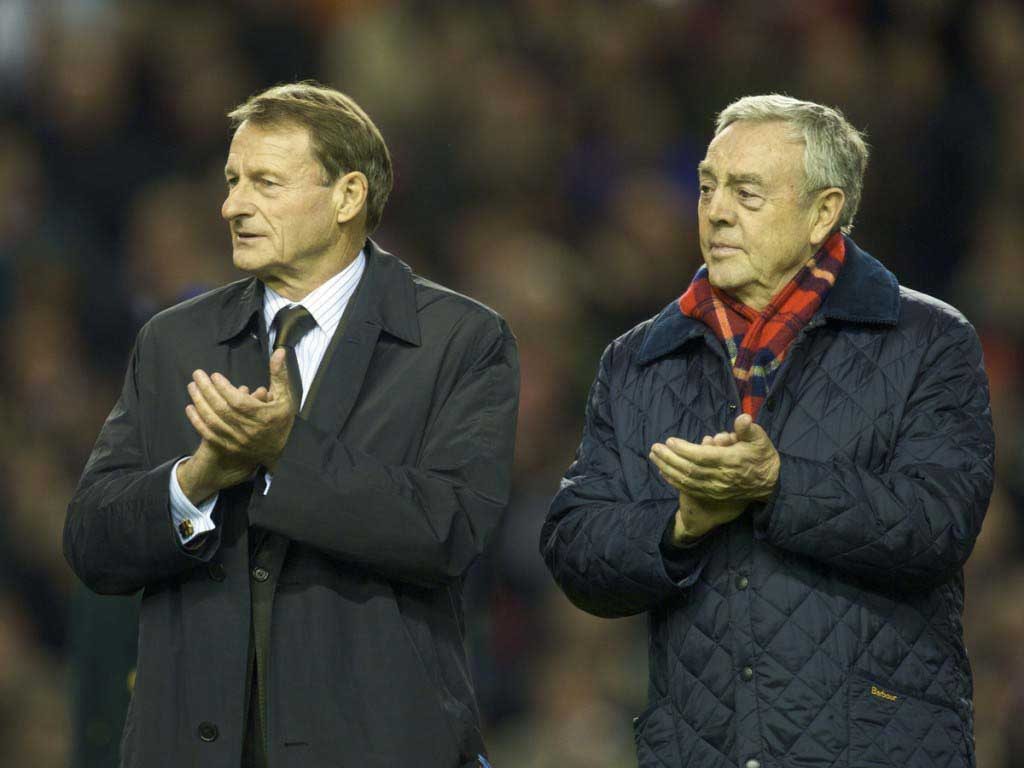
[853, 568]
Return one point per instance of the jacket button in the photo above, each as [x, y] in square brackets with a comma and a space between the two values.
[752, 764]
[208, 731]
[260, 574]
[770, 405]
[742, 582]
[216, 571]
[747, 673]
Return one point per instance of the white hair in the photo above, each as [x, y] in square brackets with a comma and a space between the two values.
[835, 153]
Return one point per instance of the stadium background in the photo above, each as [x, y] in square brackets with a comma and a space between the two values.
[545, 154]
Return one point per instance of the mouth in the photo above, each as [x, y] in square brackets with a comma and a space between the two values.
[723, 249]
[246, 237]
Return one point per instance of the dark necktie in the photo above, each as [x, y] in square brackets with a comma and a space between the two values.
[291, 324]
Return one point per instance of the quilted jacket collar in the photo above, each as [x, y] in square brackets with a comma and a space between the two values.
[865, 292]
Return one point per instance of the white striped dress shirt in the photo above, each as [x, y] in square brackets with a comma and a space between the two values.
[326, 304]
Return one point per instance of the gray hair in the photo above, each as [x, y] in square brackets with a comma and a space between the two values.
[835, 153]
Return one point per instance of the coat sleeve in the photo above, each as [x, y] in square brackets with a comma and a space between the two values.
[424, 523]
[914, 525]
[605, 548]
[118, 533]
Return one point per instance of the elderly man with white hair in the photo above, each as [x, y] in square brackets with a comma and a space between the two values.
[786, 469]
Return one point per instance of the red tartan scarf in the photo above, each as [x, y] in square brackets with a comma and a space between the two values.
[758, 341]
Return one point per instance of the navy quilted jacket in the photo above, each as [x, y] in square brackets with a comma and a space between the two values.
[822, 628]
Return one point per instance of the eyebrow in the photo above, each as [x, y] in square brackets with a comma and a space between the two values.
[704, 169]
[258, 171]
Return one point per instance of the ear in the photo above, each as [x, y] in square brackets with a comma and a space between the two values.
[825, 211]
[350, 193]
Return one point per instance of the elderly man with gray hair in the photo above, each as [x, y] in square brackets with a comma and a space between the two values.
[786, 469]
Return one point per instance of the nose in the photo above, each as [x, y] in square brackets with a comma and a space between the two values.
[236, 203]
[718, 208]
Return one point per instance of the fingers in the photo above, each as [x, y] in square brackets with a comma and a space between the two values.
[672, 476]
[703, 455]
[708, 491]
[723, 468]
[724, 439]
[695, 481]
[671, 481]
[208, 414]
[201, 427]
[748, 431]
[260, 393]
[279, 386]
[211, 393]
[234, 398]
[744, 427]
[676, 466]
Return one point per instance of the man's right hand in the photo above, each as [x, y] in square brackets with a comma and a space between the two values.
[696, 518]
[210, 470]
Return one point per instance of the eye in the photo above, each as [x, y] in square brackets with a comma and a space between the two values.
[748, 198]
[231, 181]
[705, 190]
[267, 183]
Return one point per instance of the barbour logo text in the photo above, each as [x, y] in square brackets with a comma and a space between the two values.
[876, 691]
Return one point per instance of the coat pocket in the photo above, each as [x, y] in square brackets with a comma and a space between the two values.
[890, 729]
[654, 731]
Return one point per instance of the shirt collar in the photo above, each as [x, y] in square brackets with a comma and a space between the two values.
[326, 303]
[389, 300]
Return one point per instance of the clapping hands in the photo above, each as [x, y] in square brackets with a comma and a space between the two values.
[241, 430]
[719, 477]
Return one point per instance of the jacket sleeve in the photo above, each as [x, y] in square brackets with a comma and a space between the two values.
[605, 548]
[423, 524]
[118, 533]
[914, 525]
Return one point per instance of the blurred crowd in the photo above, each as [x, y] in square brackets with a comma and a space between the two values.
[545, 155]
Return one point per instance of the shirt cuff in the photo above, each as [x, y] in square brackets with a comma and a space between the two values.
[189, 520]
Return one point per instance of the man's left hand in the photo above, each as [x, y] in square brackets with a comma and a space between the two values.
[251, 426]
[746, 470]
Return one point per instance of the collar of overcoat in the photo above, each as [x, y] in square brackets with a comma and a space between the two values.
[865, 292]
[387, 300]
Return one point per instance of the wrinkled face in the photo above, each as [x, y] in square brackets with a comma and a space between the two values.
[283, 217]
[754, 226]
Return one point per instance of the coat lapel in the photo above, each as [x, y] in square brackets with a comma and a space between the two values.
[244, 339]
[248, 362]
[385, 301]
[341, 376]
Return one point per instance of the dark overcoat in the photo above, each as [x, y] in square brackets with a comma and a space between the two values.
[387, 492]
[822, 628]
